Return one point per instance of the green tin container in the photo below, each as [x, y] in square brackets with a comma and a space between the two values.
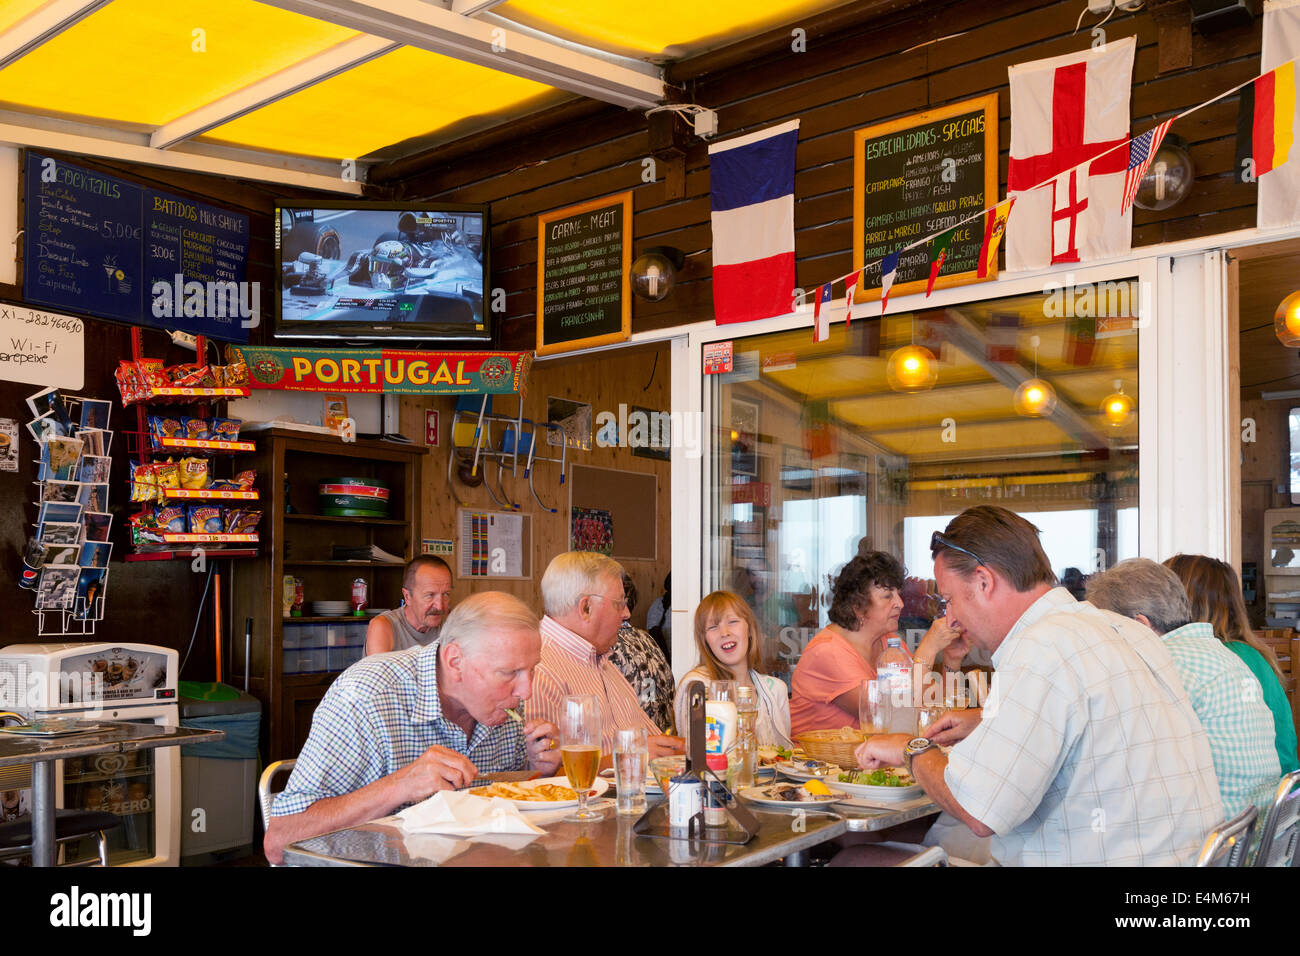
[354, 498]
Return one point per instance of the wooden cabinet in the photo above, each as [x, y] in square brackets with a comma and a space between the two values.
[290, 467]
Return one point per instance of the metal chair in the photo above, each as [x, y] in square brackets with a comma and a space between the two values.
[1227, 843]
[69, 827]
[1279, 839]
[265, 796]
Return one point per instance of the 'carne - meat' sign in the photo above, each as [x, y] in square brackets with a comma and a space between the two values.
[584, 258]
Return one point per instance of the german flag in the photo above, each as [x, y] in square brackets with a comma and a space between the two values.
[1265, 121]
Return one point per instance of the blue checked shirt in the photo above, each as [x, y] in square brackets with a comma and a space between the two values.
[381, 714]
[1227, 698]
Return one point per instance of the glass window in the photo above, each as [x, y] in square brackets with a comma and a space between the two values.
[824, 450]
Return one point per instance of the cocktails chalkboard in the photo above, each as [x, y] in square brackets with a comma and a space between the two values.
[916, 176]
[584, 258]
[99, 245]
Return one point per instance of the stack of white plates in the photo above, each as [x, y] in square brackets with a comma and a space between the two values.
[330, 608]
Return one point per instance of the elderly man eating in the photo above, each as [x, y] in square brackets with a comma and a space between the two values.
[1224, 692]
[1088, 751]
[396, 728]
[585, 605]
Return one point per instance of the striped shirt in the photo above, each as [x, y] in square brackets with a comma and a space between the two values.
[570, 665]
[1089, 752]
[381, 714]
[1227, 698]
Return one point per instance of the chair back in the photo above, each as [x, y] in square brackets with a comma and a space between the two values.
[931, 856]
[265, 795]
[1228, 843]
[1279, 839]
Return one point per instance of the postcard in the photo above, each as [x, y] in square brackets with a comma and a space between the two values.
[57, 588]
[60, 532]
[93, 497]
[95, 413]
[61, 491]
[98, 525]
[59, 459]
[91, 585]
[94, 468]
[59, 511]
[47, 426]
[95, 554]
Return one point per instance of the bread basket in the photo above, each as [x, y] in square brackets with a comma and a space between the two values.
[832, 746]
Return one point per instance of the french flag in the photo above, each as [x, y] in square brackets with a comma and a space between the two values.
[751, 181]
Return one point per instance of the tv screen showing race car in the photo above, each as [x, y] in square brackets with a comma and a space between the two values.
[380, 271]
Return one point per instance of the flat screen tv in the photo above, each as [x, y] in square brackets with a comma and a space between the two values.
[369, 271]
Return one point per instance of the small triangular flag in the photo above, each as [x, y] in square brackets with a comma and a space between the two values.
[938, 253]
[888, 268]
[851, 289]
[822, 325]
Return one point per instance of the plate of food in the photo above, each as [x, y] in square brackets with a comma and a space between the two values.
[549, 793]
[791, 795]
[885, 783]
[807, 769]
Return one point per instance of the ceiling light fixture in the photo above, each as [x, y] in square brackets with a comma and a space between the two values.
[1035, 397]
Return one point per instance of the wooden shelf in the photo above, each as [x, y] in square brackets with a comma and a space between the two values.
[298, 516]
[328, 620]
[343, 564]
[187, 554]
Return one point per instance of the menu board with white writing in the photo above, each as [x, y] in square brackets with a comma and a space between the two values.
[584, 257]
[917, 176]
[100, 245]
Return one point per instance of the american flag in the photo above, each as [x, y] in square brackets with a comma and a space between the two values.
[1140, 152]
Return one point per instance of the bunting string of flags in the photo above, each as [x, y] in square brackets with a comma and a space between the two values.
[1264, 136]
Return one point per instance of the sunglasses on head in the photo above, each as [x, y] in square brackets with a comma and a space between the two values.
[937, 541]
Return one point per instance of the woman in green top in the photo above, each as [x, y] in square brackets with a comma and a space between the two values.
[1216, 599]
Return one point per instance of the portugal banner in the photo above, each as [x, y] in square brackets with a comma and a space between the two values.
[397, 371]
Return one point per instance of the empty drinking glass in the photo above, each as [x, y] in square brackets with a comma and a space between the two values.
[872, 716]
[631, 761]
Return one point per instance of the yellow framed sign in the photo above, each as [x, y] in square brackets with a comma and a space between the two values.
[584, 261]
[919, 175]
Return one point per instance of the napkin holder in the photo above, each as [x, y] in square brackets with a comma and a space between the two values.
[741, 827]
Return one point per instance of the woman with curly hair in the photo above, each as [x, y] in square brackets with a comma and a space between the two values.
[865, 605]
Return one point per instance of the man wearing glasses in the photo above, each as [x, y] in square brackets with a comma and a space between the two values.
[1088, 751]
[585, 605]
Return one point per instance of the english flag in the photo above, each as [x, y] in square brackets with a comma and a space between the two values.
[1065, 111]
[1279, 191]
[751, 185]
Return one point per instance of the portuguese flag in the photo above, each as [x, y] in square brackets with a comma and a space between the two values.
[938, 253]
[1265, 121]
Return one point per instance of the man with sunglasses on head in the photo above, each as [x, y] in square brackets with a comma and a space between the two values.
[1088, 751]
[585, 606]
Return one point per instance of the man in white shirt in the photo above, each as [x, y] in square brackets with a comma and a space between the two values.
[1088, 751]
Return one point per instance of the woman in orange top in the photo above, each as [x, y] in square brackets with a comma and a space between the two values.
[865, 605]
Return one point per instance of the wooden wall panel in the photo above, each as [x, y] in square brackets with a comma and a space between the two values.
[631, 376]
[924, 57]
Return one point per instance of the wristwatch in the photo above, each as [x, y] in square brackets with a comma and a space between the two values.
[915, 747]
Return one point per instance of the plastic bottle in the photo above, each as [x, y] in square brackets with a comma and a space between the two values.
[745, 754]
[895, 669]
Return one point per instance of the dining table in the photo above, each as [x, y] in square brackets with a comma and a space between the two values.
[784, 835]
[88, 738]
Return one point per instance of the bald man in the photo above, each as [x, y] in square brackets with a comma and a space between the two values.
[396, 728]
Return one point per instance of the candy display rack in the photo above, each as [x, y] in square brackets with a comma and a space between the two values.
[141, 446]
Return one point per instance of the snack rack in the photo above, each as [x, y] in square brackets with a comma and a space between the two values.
[140, 448]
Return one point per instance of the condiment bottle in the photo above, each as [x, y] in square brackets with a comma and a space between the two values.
[359, 598]
[715, 800]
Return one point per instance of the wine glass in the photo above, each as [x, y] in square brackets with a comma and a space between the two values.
[580, 740]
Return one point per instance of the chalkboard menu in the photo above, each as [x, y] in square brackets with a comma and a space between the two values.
[584, 259]
[917, 176]
[99, 245]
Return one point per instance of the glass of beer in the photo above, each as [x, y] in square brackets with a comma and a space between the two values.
[580, 739]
